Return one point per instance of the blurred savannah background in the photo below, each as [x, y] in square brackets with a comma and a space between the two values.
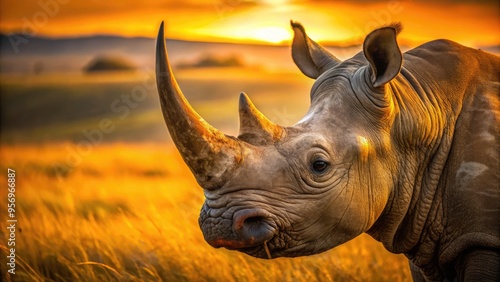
[102, 194]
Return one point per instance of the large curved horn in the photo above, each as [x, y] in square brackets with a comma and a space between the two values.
[255, 128]
[210, 154]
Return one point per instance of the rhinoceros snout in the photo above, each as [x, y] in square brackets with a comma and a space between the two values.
[249, 228]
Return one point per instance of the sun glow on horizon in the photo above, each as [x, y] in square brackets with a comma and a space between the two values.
[260, 21]
[275, 2]
[271, 34]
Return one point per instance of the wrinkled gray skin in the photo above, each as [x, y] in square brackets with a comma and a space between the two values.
[402, 147]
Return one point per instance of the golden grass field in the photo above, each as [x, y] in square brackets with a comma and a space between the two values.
[128, 212]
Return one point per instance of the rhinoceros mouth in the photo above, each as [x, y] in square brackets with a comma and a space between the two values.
[275, 247]
[261, 251]
[234, 245]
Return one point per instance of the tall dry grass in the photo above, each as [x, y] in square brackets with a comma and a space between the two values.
[129, 213]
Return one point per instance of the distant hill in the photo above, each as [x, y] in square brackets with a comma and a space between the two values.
[213, 61]
[40, 54]
[106, 64]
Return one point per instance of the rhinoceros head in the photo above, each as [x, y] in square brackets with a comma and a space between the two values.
[291, 191]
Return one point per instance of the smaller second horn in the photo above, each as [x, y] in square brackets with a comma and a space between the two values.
[255, 128]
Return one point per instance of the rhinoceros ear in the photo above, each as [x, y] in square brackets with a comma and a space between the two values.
[382, 51]
[309, 56]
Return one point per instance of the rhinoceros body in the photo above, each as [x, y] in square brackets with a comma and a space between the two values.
[404, 147]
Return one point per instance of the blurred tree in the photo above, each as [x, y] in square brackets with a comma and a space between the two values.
[104, 63]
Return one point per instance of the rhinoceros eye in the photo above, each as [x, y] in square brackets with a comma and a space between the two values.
[320, 166]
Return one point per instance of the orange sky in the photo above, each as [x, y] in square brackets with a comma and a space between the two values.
[467, 22]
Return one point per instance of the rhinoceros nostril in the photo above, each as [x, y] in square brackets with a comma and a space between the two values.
[253, 220]
[253, 226]
[253, 223]
[247, 219]
[249, 228]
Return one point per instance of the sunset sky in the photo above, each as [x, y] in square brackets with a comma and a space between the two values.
[475, 23]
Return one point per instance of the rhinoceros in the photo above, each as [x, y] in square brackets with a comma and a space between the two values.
[403, 147]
